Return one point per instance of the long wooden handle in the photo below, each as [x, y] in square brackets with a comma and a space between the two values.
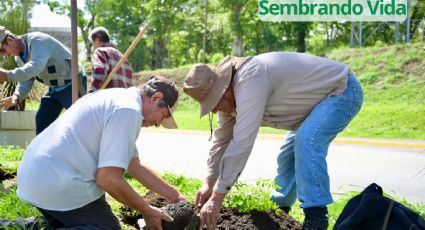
[125, 56]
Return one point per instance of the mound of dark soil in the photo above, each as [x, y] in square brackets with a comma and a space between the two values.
[229, 218]
[6, 175]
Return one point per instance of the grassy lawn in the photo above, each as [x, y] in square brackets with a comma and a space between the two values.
[393, 80]
[243, 196]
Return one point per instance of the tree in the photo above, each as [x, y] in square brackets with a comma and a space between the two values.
[236, 7]
[91, 9]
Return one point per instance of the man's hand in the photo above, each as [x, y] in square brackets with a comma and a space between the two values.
[153, 218]
[204, 193]
[210, 211]
[9, 101]
[180, 197]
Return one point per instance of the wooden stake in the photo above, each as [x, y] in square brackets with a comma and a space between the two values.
[125, 56]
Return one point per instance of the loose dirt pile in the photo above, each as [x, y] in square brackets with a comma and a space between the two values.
[229, 218]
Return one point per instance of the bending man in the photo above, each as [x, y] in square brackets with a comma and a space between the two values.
[312, 97]
[43, 58]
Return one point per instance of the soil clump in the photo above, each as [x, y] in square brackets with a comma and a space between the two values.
[229, 218]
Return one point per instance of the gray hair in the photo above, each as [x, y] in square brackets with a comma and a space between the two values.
[148, 90]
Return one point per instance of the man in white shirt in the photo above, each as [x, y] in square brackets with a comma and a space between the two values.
[67, 169]
[312, 97]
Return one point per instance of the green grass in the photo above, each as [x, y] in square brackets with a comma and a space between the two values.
[10, 158]
[32, 105]
[243, 196]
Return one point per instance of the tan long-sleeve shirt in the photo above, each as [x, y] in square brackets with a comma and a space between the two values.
[278, 90]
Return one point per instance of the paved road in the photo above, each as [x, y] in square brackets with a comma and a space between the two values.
[400, 171]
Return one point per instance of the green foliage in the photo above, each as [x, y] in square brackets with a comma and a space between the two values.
[245, 197]
[10, 158]
[11, 207]
[177, 28]
[187, 186]
[216, 58]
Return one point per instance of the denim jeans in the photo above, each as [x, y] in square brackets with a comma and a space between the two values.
[51, 105]
[302, 168]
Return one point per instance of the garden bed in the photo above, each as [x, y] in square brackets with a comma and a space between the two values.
[229, 218]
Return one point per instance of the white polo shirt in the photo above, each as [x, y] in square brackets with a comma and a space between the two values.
[58, 170]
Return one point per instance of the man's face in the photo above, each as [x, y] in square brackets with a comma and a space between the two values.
[152, 113]
[227, 103]
[10, 47]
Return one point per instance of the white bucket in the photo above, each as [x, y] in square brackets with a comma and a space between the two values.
[17, 128]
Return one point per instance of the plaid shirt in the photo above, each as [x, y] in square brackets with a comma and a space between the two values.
[104, 59]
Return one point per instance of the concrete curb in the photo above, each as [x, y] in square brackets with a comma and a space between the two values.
[416, 144]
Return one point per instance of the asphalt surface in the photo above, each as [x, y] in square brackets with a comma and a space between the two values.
[397, 166]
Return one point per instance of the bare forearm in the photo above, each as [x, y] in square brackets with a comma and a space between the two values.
[152, 181]
[120, 190]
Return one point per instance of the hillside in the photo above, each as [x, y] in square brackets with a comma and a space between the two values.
[393, 79]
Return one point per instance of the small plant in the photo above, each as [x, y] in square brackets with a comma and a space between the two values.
[187, 186]
[246, 197]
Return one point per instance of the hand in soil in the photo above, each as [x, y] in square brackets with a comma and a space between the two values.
[203, 194]
[210, 211]
[154, 217]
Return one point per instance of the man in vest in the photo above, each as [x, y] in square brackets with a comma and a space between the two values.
[105, 58]
[312, 97]
[43, 58]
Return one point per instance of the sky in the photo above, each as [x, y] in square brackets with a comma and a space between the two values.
[43, 17]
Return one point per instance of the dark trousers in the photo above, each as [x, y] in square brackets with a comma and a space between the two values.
[51, 105]
[96, 215]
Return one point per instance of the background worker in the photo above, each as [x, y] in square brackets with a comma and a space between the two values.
[67, 169]
[312, 97]
[39, 57]
[105, 58]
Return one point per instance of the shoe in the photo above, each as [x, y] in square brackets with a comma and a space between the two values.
[315, 218]
[315, 224]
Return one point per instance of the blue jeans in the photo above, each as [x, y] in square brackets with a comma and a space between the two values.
[302, 169]
[51, 105]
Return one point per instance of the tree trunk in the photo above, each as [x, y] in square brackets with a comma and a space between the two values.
[85, 33]
[204, 43]
[238, 45]
[301, 41]
[169, 48]
[87, 42]
[327, 34]
[157, 53]
[237, 27]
